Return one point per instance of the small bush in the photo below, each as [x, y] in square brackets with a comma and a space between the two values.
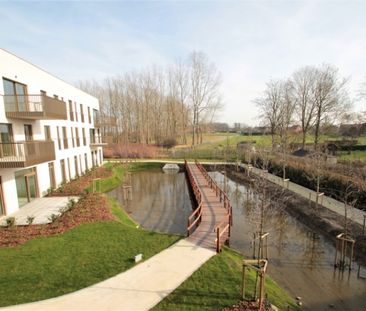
[53, 217]
[10, 221]
[30, 220]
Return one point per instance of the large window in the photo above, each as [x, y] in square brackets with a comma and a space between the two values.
[47, 132]
[81, 113]
[6, 139]
[15, 96]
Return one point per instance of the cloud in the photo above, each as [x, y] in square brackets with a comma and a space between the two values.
[250, 42]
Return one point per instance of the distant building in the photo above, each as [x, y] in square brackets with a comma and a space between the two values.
[49, 132]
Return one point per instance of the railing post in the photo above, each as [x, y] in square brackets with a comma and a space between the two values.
[218, 240]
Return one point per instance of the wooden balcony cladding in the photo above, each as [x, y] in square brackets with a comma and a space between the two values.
[34, 107]
[26, 153]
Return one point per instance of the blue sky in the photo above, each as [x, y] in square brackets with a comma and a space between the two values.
[250, 41]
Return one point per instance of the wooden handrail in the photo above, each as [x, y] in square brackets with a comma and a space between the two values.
[198, 195]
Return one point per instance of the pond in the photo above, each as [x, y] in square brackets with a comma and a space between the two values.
[300, 260]
[160, 201]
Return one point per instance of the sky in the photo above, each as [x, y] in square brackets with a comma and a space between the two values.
[250, 42]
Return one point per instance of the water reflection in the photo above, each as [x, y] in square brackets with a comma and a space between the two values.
[300, 260]
[160, 202]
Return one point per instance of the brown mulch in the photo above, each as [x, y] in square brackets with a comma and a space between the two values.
[92, 207]
[247, 306]
[77, 186]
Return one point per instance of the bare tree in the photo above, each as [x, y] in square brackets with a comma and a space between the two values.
[330, 96]
[303, 84]
[204, 89]
[270, 105]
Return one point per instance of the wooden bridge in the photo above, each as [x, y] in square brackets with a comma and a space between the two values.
[209, 224]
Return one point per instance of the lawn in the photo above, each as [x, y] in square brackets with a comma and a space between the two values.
[353, 156]
[49, 267]
[217, 285]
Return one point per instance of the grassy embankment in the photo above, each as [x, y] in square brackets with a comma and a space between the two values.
[48, 267]
[217, 285]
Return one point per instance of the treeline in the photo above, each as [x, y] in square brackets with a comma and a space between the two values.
[311, 97]
[155, 105]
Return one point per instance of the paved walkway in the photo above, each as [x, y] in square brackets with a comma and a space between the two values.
[139, 288]
[40, 208]
[354, 214]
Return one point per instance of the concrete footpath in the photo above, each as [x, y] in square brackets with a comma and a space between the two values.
[139, 288]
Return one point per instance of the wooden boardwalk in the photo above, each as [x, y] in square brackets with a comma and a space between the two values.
[209, 224]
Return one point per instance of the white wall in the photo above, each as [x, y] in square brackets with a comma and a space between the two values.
[36, 79]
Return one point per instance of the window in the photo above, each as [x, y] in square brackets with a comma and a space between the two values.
[28, 132]
[51, 172]
[58, 138]
[84, 137]
[63, 170]
[77, 137]
[96, 117]
[72, 137]
[86, 161]
[69, 167]
[81, 165]
[100, 157]
[64, 134]
[89, 116]
[81, 113]
[92, 136]
[14, 96]
[47, 132]
[76, 166]
[6, 140]
[76, 113]
[71, 112]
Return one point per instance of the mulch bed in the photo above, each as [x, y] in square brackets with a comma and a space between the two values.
[90, 208]
[78, 186]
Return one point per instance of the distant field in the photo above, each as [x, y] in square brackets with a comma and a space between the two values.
[353, 156]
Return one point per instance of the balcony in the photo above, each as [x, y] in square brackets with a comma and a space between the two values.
[34, 107]
[96, 142]
[26, 153]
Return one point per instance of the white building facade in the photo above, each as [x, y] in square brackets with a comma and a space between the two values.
[49, 132]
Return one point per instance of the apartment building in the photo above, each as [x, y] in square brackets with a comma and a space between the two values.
[49, 132]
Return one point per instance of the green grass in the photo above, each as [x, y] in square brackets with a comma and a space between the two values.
[217, 285]
[49, 267]
[120, 214]
[353, 156]
[118, 171]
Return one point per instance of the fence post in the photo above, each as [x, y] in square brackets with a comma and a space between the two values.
[218, 240]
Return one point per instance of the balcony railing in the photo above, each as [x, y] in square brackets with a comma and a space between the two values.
[96, 142]
[34, 107]
[26, 153]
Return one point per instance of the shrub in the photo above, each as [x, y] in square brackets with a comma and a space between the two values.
[10, 221]
[53, 217]
[30, 220]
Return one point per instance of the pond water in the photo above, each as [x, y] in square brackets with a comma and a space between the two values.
[160, 201]
[300, 260]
